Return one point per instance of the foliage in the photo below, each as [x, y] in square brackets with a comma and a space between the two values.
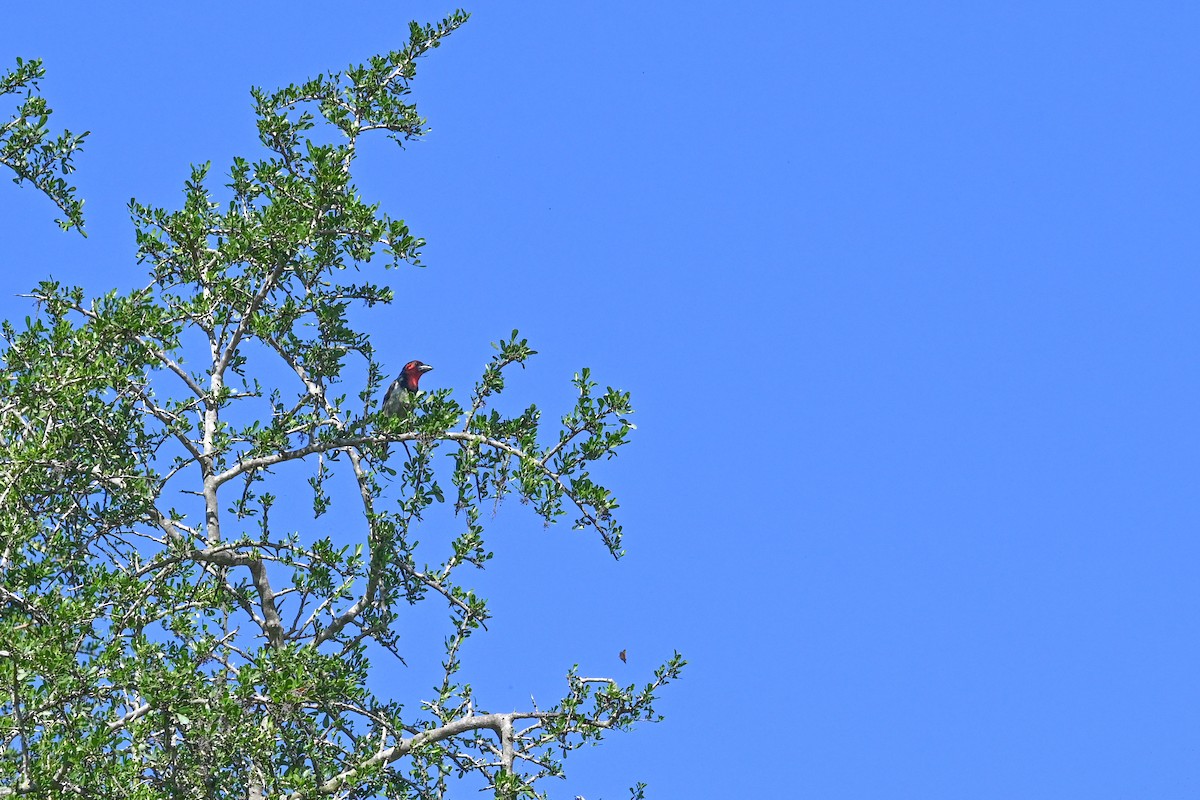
[27, 148]
[162, 634]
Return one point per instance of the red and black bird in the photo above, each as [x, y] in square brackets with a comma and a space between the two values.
[401, 396]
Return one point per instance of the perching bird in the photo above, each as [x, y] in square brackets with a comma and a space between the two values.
[402, 394]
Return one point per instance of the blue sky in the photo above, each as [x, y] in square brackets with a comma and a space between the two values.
[907, 299]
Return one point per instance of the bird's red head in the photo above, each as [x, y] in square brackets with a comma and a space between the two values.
[411, 374]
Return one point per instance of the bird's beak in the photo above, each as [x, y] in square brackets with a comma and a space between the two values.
[424, 368]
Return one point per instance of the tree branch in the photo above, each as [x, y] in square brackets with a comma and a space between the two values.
[493, 722]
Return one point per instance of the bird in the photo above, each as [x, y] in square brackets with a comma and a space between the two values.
[401, 396]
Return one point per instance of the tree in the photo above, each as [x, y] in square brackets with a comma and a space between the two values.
[162, 634]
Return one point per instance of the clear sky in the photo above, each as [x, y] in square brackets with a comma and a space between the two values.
[907, 298]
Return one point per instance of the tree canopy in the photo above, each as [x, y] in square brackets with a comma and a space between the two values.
[168, 628]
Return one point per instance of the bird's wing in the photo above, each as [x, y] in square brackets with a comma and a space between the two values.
[387, 396]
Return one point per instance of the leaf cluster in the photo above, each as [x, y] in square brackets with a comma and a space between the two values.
[31, 151]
